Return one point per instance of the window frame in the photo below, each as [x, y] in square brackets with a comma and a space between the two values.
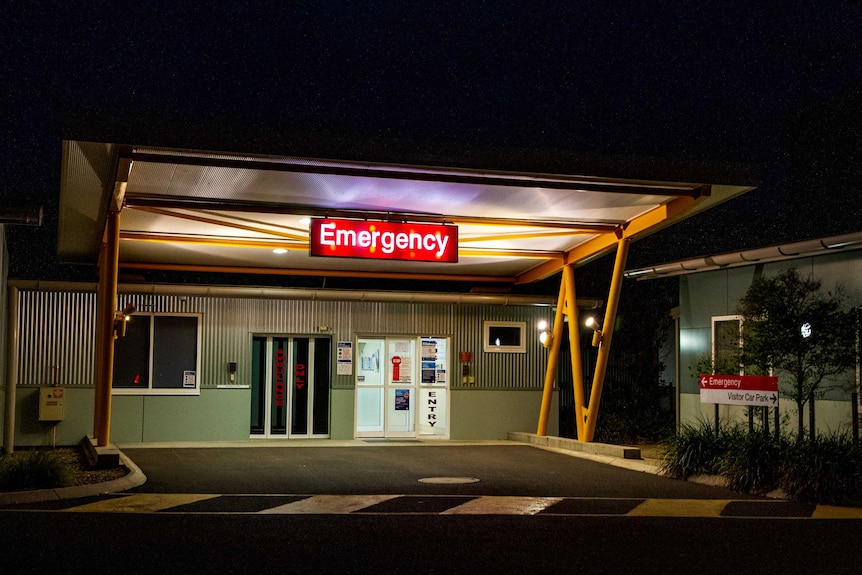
[489, 347]
[149, 389]
[725, 318]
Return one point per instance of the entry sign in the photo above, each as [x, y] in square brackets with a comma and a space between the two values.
[739, 389]
[339, 238]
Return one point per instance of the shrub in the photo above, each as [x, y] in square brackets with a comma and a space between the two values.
[827, 469]
[629, 421]
[694, 450]
[751, 462]
[33, 470]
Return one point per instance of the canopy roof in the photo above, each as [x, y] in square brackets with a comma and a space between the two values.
[227, 212]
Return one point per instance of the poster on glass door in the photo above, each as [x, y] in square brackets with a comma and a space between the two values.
[402, 400]
[429, 360]
[433, 354]
[400, 362]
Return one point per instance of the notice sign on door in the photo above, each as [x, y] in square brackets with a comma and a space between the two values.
[402, 369]
[739, 389]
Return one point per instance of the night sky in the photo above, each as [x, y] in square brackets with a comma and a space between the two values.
[774, 85]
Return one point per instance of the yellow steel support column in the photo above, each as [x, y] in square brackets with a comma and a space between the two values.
[575, 349]
[107, 305]
[566, 306]
[605, 340]
[551, 369]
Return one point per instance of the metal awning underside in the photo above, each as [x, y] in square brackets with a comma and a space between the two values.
[204, 211]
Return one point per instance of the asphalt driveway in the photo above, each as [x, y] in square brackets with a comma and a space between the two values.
[397, 469]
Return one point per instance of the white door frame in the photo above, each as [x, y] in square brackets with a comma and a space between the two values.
[387, 387]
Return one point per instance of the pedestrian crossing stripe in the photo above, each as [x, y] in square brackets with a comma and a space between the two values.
[459, 505]
[141, 503]
[680, 508]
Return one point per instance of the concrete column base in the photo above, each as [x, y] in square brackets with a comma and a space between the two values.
[100, 456]
[575, 445]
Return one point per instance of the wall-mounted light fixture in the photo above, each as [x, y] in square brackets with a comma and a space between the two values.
[594, 325]
[546, 337]
[121, 318]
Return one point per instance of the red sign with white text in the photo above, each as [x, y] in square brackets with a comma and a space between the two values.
[739, 389]
[383, 240]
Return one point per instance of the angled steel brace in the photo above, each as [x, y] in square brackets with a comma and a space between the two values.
[566, 306]
[604, 341]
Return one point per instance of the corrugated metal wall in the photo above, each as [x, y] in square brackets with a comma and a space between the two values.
[58, 328]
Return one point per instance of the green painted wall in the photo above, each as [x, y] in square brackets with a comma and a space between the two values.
[491, 414]
[341, 414]
[127, 425]
[223, 415]
[214, 415]
[76, 424]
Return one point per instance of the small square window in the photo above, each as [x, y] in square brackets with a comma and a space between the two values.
[504, 336]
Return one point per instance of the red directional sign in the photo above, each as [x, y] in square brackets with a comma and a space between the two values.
[739, 389]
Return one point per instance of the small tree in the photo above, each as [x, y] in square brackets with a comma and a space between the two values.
[793, 327]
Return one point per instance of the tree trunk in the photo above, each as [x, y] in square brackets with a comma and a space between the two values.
[800, 405]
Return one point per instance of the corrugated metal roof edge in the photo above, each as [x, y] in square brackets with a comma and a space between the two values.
[805, 248]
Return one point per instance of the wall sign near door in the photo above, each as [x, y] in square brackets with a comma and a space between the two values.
[344, 361]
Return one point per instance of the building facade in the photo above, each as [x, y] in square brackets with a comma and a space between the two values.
[219, 364]
[709, 293]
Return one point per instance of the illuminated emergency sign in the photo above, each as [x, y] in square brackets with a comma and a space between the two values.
[383, 240]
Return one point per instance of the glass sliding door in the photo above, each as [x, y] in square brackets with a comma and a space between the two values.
[290, 386]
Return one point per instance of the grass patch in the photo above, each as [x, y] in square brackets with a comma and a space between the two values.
[38, 469]
[695, 450]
